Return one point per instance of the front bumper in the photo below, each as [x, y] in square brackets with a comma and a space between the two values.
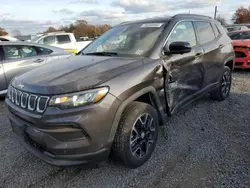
[66, 137]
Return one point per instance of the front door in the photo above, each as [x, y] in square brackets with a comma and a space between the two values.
[185, 72]
[20, 59]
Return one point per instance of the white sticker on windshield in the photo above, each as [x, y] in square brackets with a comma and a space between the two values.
[152, 25]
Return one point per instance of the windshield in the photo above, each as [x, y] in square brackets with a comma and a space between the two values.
[34, 39]
[240, 35]
[131, 39]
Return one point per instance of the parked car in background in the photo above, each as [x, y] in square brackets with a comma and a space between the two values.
[8, 38]
[19, 57]
[241, 43]
[236, 27]
[111, 98]
[66, 41]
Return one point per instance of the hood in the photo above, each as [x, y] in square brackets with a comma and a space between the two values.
[75, 73]
[243, 43]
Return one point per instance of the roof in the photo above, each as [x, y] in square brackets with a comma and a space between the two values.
[167, 18]
[30, 44]
[8, 37]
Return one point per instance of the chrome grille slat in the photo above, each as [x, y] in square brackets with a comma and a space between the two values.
[24, 97]
[38, 104]
[13, 95]
[28, 101]
[18, 97]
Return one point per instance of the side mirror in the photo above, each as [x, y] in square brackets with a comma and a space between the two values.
[177, 48]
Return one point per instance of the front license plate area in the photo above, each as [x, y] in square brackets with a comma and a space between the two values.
[17, 129]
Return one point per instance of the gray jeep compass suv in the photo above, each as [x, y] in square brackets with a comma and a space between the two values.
[111, 98]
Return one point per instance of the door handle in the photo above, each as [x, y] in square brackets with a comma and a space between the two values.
[39, 60]
[221, 46]
[198, 54]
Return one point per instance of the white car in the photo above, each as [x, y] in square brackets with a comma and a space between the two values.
[66, 41]
[8, 38]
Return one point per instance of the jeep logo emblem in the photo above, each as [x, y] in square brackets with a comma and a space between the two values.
[21, 86]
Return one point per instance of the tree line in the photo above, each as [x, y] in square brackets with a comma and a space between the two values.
[81, 28]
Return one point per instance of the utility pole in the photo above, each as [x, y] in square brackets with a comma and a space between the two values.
[215, 12]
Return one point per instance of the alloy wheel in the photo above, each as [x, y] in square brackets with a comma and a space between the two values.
[226, 83]
[142, 135]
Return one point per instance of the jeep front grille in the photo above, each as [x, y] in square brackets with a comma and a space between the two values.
[28, 101]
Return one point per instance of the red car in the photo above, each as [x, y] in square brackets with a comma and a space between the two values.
[241, 43]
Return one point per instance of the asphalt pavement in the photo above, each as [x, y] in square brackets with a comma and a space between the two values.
[205, 145]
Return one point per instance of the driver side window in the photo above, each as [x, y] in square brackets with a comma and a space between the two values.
[183, 32]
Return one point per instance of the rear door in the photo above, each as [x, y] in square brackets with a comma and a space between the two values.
[20, 59]
[185, 71]
[213, 57]
[3, 83]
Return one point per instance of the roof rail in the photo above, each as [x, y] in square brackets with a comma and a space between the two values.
[195, 15]
[54, 32]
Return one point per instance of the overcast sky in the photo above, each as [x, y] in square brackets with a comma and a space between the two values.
[32, 16]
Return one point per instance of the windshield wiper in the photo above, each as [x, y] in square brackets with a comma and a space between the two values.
[102, 53]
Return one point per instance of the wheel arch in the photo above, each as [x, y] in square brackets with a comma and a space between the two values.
[229, 62]
[138, 96]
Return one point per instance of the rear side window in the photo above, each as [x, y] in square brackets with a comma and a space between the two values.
[216, 30]
[28, 51]
[11, 52]
[63, 39]
[43, 51]
[205, 32]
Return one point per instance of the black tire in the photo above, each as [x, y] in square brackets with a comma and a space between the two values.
[222, 92]
[129, 137]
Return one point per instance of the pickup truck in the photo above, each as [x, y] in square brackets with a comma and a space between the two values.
[66, 41]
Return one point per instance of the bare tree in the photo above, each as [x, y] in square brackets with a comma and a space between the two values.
[16, 33]
[3, 32]
[221, 20]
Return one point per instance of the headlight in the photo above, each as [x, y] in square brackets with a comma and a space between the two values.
[78, 99]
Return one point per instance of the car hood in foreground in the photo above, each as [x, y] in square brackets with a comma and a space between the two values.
[75, 73]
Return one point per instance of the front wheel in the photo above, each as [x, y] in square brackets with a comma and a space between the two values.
[222, 92]
[136, 136]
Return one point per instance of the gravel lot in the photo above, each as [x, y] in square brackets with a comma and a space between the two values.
[205, 145]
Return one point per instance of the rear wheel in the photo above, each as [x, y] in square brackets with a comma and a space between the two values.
[136, 136]
[222, 92]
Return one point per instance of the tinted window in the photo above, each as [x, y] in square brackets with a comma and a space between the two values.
[239, 35]
[62, 39]
[1, 53]
[216, 30]
[28, 51]
[205, 32]
[48, 40]
[11, 52]
[43, 51]
[184, 32]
